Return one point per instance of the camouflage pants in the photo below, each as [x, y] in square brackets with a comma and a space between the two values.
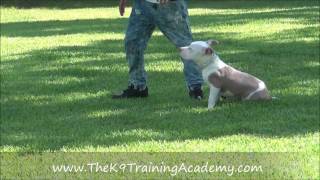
[172, 20]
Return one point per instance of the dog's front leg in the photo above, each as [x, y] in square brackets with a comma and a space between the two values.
[213, 97]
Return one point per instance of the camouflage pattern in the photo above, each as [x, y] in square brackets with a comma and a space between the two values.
[172, 20]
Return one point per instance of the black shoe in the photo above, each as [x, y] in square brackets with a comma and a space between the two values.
[196, 93]
[131, 93]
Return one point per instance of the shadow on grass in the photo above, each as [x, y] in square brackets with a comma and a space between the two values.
[60, 97]
[52, 28]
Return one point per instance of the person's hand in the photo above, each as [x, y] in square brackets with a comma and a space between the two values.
[164, 1]
[122, 6]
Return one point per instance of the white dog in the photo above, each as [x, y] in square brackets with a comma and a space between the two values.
[223, 79]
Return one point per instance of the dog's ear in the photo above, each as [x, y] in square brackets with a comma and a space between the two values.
[212, 42]
[209, 51]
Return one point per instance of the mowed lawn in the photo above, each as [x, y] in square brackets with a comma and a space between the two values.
[60, 65]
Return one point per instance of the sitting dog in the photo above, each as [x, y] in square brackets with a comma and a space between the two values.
[223, 79]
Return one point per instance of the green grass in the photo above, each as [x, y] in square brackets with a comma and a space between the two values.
[60, 65]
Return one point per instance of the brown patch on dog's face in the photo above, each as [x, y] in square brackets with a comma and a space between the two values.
[209, 51]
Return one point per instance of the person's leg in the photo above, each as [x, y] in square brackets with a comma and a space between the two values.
[138, 33]
[173, 20]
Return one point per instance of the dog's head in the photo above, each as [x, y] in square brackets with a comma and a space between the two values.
[198, 51]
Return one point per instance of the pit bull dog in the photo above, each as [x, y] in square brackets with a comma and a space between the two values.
[223, 79]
